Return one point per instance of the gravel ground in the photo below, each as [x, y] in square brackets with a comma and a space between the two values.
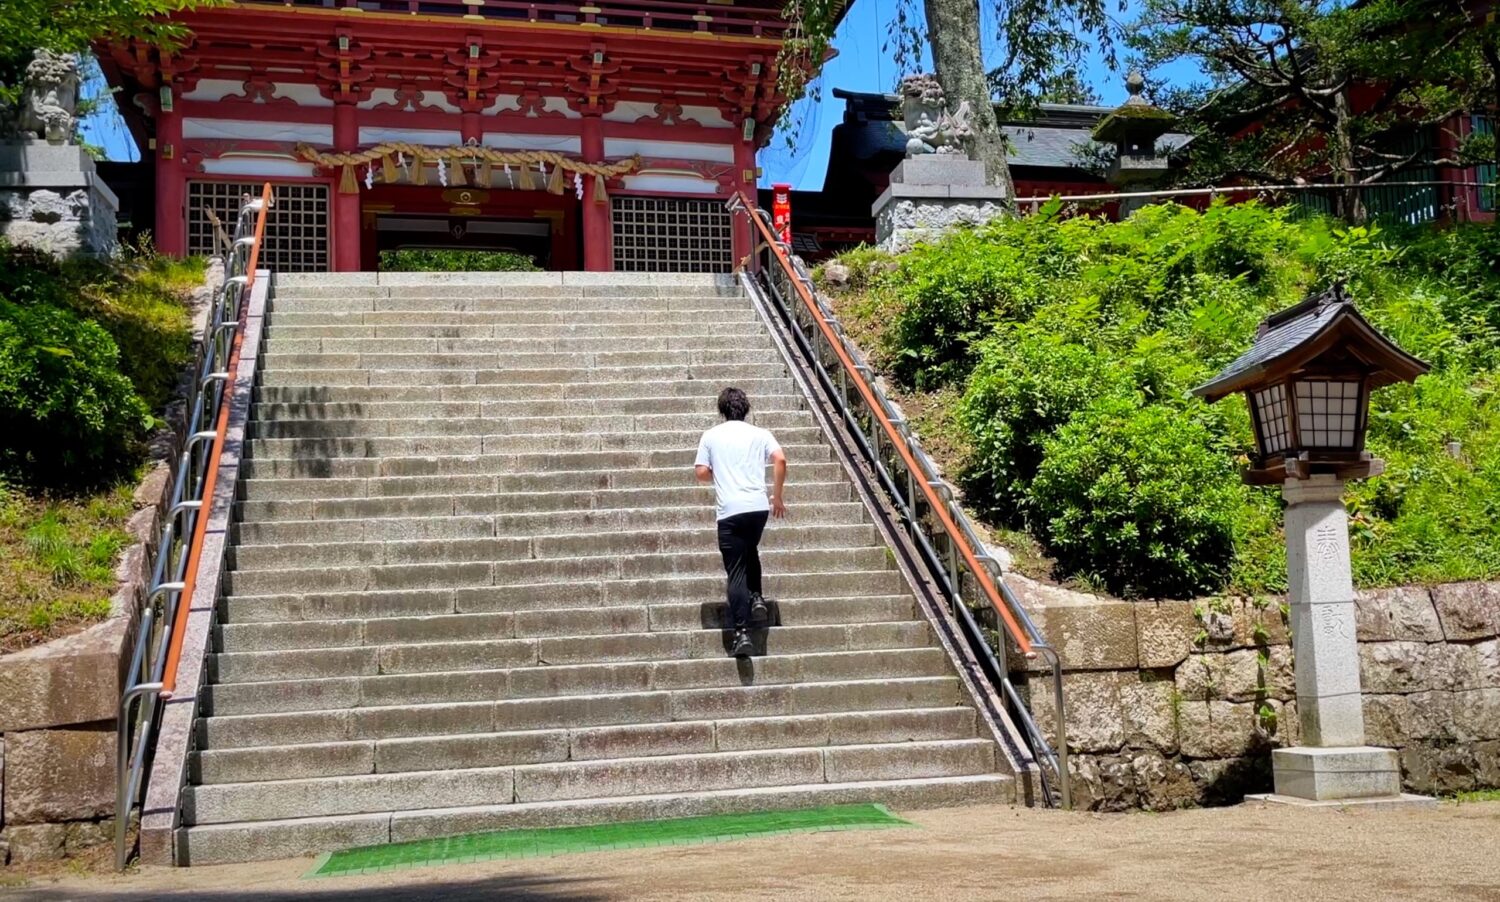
[1451, 852]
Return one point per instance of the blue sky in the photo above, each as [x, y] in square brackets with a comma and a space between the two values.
[861, 65]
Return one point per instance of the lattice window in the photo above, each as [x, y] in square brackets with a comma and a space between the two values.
[296, 237]
[1275, 420]
[671, 234]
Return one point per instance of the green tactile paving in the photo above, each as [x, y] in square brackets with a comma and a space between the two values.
[630, 835]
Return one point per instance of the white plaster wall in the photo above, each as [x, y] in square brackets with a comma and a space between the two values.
[249, 164]
[671, 150]
[244, 130]
[302, 94]
[558, 143]
[213, 89]
[684, 183]
[428, 137]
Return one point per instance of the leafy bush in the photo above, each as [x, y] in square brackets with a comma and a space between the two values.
[1073, 344]
[1138, 498]
[414, 260]
[69, 415]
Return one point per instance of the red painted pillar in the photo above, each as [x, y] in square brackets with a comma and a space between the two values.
[346, 207]
[171, 183]
[744, 180]
[598, 253]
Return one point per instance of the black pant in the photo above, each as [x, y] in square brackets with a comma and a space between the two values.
[739, 537]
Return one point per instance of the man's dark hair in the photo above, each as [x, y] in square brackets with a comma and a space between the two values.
[733, 404]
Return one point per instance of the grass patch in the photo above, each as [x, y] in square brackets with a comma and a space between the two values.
[1477, 795]
[57, 561]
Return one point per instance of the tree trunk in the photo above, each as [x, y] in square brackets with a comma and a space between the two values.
[1351, 205]
[953, 29]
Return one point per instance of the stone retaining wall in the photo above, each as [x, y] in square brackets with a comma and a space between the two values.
[1175, 703]
[59, 701]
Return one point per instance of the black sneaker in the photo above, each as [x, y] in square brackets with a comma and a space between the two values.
[743, 647]
[759, 611]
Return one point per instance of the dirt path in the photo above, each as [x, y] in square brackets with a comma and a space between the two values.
[1247, 853]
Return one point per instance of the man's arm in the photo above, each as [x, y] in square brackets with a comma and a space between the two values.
[703, 463]
[778, 472]
[704, 473]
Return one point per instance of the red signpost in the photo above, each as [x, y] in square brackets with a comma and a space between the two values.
[781, 212]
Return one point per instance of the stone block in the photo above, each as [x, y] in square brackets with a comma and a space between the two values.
[1438, 768]
[80, 836]
[59, 775]
[1243, 623]
[1103, 783]
[1386, 719]
[1238, 676]
[1218, 729]
[1476, 714]
[1487, 756]
[939, 169]
[1089, 633]
[1164, 632]
[1162, 784]
[1094, 719]
[1350, 772]
[1148, 711]
[1417, 667]
[38, 842]
[1396, 615]
[72, 680]
[1468, 610]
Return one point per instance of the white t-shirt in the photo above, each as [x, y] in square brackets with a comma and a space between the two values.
[738, 453]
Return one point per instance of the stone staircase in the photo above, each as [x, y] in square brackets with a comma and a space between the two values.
[473, 585]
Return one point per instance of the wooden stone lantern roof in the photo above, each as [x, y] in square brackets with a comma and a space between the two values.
[1308, 379]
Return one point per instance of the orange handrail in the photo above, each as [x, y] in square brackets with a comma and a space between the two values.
[200, 525]
[877, 410]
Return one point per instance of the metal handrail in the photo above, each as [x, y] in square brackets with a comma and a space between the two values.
[153, 663]
[922, 483]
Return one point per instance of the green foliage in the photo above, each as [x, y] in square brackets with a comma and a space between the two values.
[73, 405]
[1138, 497]
[1074, 344]
[69, 415]
[455, 261]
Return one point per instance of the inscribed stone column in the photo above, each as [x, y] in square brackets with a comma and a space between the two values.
[346, 207]
[598, 253]
[171, 184]
[1334, 762]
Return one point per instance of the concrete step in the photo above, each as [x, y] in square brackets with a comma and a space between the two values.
[471, 445]
[764, 706]
[437, 464]
[321, 694]
[520, 525]
[354, 632]
[560, 309]
[397, 314]
[336, 756]
[510, 573]
[511, 666]
[322, 796]
[702, 405]
[722, 315]
[523, 340]
[798, 493]
[501, 425]
[501, 373]
[656, 604]
[226, 843]
[258, 489]
[602, 392]
[274, 361]
[509, 548]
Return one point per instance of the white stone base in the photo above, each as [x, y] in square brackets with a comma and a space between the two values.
[1336, 774]
[1404, 800]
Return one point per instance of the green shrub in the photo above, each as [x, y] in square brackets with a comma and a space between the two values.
[70, 417]
[1139, 498]
[438, 260]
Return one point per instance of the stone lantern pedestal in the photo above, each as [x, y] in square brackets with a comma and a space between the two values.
[1333, 766]
[930, 195]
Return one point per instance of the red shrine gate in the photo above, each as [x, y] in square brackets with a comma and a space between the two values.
[588, 136]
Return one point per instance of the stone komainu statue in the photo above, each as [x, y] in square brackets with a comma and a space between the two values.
[51, 97]
[930, 128]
